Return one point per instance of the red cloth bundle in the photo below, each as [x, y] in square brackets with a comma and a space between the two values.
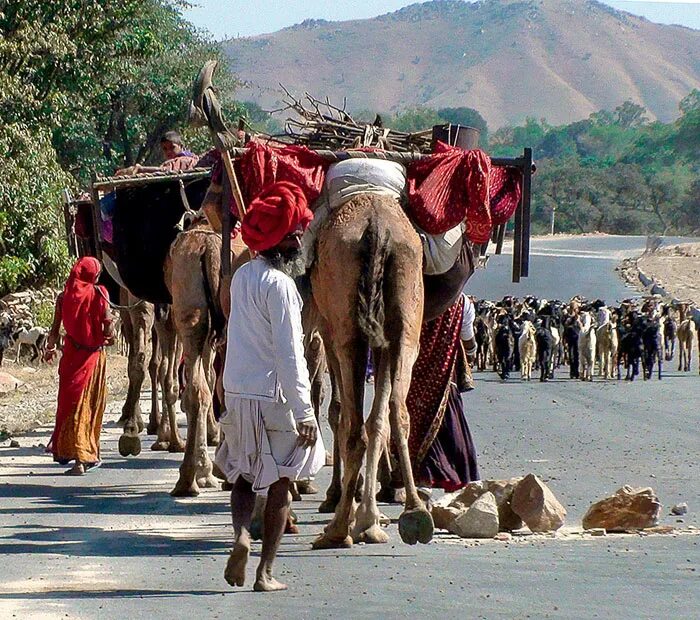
[450, 187]
[504, 193]
[278, 211]
[263, 165]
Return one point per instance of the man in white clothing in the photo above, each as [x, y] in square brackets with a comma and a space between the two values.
[270, 432]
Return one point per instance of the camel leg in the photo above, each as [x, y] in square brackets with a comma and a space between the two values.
[196, 467]
[213, 436]
[367, 527]
[138, 324]
[153, 372]
[352, 358]
[334, 490]
[168, 434]
[415, 523]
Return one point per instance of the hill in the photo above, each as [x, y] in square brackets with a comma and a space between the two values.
[509, 59]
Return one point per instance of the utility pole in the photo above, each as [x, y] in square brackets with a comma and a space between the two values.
[551, 220]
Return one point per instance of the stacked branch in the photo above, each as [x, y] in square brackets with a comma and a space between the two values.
[321, 125]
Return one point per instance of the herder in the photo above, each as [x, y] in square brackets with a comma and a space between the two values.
[270, 432]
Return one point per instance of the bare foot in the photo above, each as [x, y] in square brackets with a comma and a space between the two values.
[267, 583]
[237, 561]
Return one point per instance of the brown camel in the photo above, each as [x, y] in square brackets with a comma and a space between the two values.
[139, 322]
[368, 288]
[193, 277]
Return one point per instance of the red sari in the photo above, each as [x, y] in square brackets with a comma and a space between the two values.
[82, 393]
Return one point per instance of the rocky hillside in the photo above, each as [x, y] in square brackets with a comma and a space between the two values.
[558, 59]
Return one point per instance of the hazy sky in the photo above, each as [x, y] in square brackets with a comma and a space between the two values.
[230, 18]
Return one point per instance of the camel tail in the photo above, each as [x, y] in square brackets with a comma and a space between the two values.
[374, 251]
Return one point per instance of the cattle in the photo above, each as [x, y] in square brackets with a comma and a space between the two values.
[527, 346]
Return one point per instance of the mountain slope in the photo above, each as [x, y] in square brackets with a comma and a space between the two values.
[557, 59]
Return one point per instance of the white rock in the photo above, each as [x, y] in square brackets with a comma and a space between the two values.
[480, 520]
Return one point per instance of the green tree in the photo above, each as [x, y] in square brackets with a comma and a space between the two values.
[416, 119]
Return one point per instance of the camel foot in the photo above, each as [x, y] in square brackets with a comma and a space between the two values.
[160, 446]
[176, 446]
[234, 574]
[185, 489]
[416, 526]
[328, 505]
[373, 535]
[306, 487]
[129, 445]
[207, 482]
[324, 541]
[267, 583]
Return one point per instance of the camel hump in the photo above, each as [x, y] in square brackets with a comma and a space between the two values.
[374, 250]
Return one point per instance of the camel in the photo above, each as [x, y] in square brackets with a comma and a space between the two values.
[140, 320]
[368, 289]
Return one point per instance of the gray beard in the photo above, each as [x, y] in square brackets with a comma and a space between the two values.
[293, 266]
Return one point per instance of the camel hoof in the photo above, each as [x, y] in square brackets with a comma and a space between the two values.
[152, 428]
[324, 541]
[306, 487]
[328, 505]
[373, 535]
[160, 446]
[207, 482]
[256, 529]
[129, 445]
[416, 526]
[184, 489]
[176, 447]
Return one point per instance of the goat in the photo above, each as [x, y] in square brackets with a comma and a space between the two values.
[651, 338]
[504, 349]
[607, 343]
[527, 346]
[686, 336]
[545, 346]
[586, 346]
[34, 337]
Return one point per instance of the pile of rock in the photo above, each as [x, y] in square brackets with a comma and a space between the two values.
[484, 508]
[21, 307]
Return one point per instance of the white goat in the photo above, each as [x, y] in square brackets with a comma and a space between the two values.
[527, 345]
[586, 346]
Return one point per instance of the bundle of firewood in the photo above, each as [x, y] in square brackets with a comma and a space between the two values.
[321, 125]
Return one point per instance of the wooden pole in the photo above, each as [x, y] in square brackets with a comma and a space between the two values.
[226, 229]
[526, 195]
[233, 180]
[96, 217]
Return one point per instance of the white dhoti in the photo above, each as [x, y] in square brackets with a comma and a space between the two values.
[261, 444]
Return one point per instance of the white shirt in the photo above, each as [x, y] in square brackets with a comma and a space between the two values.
[265, 349]
[468, 316]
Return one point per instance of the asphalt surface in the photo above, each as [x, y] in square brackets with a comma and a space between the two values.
[114, 544]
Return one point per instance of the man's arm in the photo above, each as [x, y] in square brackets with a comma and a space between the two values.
[288, 342]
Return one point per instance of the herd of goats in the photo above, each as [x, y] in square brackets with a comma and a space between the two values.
[538, 335]
[541, 335]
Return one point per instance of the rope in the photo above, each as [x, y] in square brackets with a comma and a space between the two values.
[117, 306]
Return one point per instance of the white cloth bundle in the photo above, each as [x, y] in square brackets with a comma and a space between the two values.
[353, 177]
[441, 251]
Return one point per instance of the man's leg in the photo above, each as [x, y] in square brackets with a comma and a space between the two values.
[242, 502]
[276, 511]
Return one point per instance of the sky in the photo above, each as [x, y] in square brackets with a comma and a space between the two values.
[231, 18]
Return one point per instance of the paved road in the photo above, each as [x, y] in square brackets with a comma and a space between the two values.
[114, 544]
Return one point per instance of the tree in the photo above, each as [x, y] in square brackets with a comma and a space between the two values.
[416, 119]
[630, 114]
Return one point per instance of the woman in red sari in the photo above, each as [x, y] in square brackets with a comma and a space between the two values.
[82, 395]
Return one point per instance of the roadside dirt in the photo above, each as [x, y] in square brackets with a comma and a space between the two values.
[34, 402]
[676, 269]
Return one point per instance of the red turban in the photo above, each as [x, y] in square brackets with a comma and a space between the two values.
[278, 211]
